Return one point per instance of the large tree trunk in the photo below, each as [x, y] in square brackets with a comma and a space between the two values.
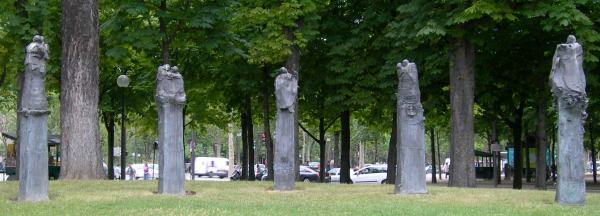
[462, 87]
[250, 134]
[345, 158]
[322, 143]
[540, 170]
[266, 123]
[433, 164]
[81, 156]
[244, 155]
[391, 157]
[109, 124]
[517, 129]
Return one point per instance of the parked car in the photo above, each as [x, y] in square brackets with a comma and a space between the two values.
[211, 166]
[306, 174]
[314, 166]
[371, 174]
[333, 175]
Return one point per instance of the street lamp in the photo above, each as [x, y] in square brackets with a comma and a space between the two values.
[123, 82]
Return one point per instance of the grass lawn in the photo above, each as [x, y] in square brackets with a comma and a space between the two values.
[253, 198]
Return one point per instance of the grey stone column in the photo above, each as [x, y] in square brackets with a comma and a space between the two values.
[568, 88]
[170, 99]
[33, 135]
[410, 168]
[286, 91]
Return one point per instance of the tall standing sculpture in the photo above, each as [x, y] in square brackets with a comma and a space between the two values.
[410, 170]
[170, 99]
[33, 134]
[286, 91]
[568, 88]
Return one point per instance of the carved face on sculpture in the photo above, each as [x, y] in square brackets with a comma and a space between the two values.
[38, 39]
[571, 39]
[286, 89]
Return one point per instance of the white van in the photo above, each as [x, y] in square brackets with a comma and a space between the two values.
[211, 166]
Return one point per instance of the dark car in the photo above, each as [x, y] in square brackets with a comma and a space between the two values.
[306, 175]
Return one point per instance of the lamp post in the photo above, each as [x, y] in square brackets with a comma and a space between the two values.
[123, 82]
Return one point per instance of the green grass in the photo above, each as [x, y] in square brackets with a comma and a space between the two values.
[253, 198]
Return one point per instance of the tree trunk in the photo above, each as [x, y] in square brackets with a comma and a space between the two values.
[345, 157]
[109, 124]
[527, 162]
[553, 166]
[244, 156]
[391, 158]
[336, 149]
[433, 164]
[81, 156]
[250, 134]
[496, 155]
[594, 167]
[166, 41]
[217, 145]
[517, 129]
[322, 143]
[266, 123]
[437, 139]
[230, 150]
[540, 170]
[462, 86]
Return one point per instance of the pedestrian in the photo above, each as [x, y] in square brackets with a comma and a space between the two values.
[446, 170]
[131, 172]
[146, 172]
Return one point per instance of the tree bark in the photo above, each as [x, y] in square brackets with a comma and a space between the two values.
[322, 143]
[244, 155]
[517, 128]
[109, 124]
[593, 150]
[266, 122]
[527, 160]
[540, 171]
[250, 134]
[166, 40]
[553, 166]
[230, 149]
[462, 86]
[433, 164]
[345, 157]
[81, 156]
[392, 151]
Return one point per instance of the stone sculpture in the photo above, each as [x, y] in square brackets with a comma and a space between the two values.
[33, 133]
[286, 92]
[410, 170]
[567, 80]
[170, 99]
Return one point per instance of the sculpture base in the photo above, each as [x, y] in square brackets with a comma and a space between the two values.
[284, 178]
[33, 156]
[410, 168]
[570, 187]
[170, 140]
